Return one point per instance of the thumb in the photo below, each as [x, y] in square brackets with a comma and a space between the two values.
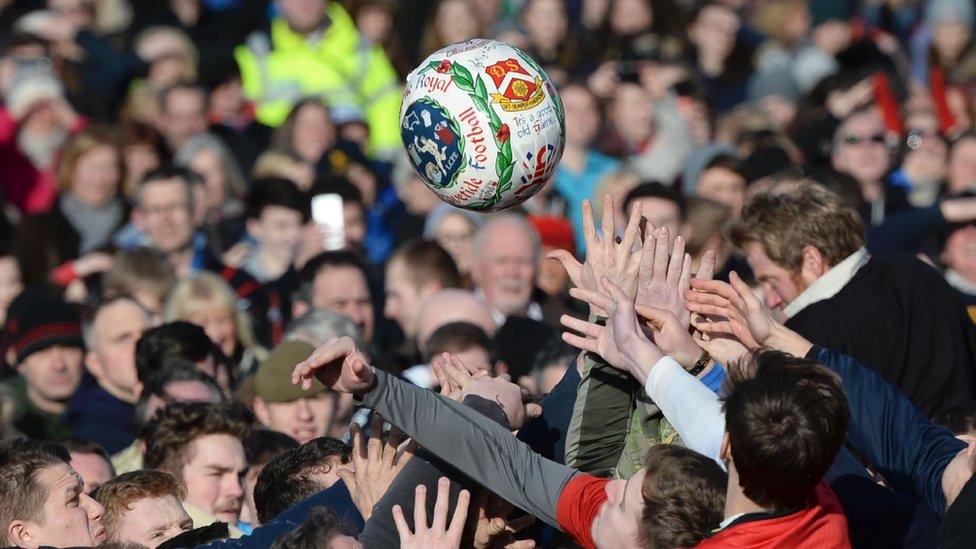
[496, 526]
[533, 410]
[566, 259]
[657, 316]
[348, 477]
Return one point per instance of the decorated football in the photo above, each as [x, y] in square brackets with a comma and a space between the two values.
[482, 124]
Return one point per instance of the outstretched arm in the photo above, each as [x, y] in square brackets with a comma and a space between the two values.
[483, 450]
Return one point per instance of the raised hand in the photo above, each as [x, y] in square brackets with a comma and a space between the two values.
[492, 529]
[453, 375]
[670, 335]
[605, 257]
[339, 365]
[622, 342]
[663, 279]
[733, 310]
[438, 535]
[377, 463]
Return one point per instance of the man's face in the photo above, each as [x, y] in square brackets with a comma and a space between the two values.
[302, 419]
[214, 476]
[344, 290]
[184, 116]
[303, 15]
[582, 114]
[93, 468]
[505, 272]
[960, 252]
[476, 358]
[112, 357]
[152, 521]
[723, 186]
[403, 299]
[962, 165]
[779, 285]
[278, 230]
[860, 149]
[165, 214]
[52, 374]
[69, 518]
[616, 522]
[355, 224]
[632, 113]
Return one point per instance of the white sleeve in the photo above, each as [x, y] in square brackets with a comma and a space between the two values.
[691, 407]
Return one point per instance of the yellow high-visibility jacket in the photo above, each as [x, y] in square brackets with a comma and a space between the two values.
[353, 77]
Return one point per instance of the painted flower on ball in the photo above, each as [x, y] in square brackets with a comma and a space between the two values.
[503, 133]
[444, 67]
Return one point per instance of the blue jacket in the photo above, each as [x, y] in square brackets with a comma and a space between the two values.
[94, 414]
[336, 498]
[891, 433]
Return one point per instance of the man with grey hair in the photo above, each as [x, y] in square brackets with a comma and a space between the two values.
[317, 326]
[102, 408]
[506, 251]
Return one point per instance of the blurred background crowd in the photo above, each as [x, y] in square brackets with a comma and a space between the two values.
[158, 159]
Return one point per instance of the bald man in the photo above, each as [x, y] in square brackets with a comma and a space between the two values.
[445, 307]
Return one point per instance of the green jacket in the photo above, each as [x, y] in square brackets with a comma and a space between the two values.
[28, 419]
[614, 423]
[353, 77]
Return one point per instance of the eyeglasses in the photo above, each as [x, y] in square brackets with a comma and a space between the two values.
[856, 138]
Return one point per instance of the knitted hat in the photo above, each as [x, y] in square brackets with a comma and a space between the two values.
[37, 320]
[272, 382]
[950, 11]
[555, 232]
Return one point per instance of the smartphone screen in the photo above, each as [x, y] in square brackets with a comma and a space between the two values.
[327, 214]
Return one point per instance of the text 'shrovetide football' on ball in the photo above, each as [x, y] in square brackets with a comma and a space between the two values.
[482, 124]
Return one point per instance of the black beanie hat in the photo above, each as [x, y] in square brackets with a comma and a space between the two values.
[37, 320]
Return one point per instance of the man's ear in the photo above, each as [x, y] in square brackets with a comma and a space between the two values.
[813, 265]
[19, 534]
[11, 357]
[725, 452]
[261, 410]
[139, 218]
[253, 227]
[94, 365]
[299, 307]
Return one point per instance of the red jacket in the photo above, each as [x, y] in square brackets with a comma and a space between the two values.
[821, 525]
[25, 186]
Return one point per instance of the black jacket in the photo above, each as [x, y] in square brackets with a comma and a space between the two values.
[899, 317]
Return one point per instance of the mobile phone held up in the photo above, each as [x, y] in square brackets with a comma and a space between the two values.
[327, 214]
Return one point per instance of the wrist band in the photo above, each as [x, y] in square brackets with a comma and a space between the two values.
[704, 360]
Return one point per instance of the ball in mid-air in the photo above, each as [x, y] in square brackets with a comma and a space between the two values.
[482, 124]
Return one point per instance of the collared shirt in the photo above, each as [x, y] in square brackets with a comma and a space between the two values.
[828, 285]
[534, 310]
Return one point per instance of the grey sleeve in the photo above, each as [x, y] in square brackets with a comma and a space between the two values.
[481, 449]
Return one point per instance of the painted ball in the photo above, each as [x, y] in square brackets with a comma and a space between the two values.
[482, 124]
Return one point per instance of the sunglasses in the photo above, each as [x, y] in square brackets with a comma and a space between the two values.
[856, 138]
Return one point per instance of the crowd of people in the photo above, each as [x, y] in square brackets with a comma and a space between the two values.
[741, 314]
